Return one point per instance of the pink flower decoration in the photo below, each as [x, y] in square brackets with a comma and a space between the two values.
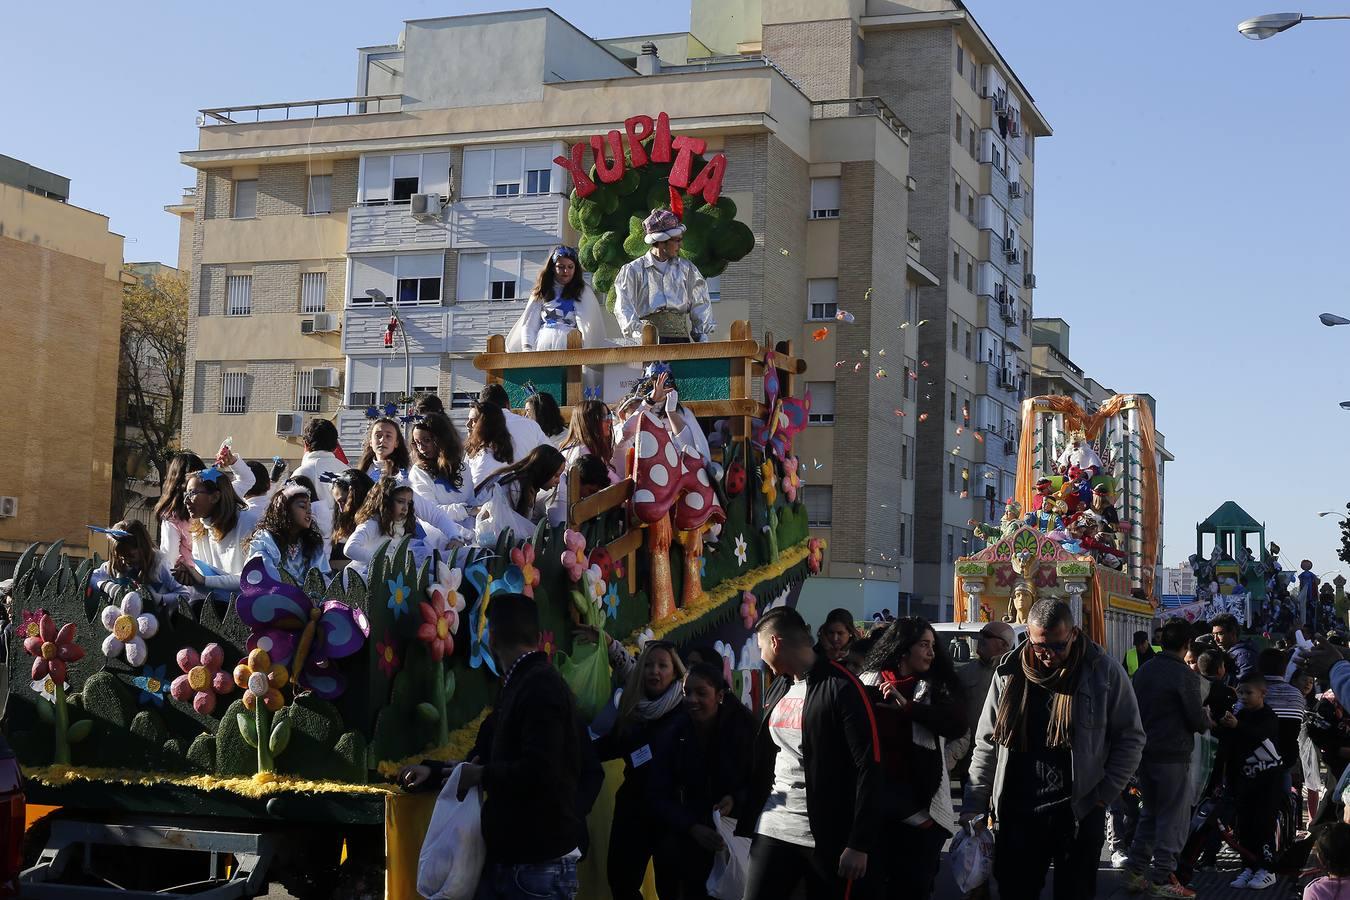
[815, 554]
[574, 557]
[548, 644]
[31, 619]
[202, 680]
[523, 558]
[438, 628]
[53, 649]
[791, 481]
[749, 612]
[386, 657]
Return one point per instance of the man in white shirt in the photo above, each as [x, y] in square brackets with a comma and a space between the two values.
[525, 434]
[320, 439]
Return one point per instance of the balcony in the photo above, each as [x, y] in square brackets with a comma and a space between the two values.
[300, 110]
[915, 244]
[381, 225]
[860, 106]
[521, 221]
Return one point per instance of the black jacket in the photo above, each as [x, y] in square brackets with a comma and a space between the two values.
[687, 779]
[912, 774]
[531, 749]
[842, 761]
[1251, 751]
[655, 737]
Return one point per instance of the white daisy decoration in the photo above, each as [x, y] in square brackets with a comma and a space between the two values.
[644, 636]
[128, 627]
[46, 689]
[742, 549]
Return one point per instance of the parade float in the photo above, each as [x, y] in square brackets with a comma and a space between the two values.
[1083, 526]
[286, 711]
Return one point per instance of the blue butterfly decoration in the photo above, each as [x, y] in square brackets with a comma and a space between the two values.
[389, 410]
[591, 393]
[114, 533]
[511, 581]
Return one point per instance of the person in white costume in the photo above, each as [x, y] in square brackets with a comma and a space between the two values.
[1079, 453]
[560, 303]
[663, 289]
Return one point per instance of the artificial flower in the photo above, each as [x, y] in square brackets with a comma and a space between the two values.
[202, 679]
[438, 629]
[523, 558]
[574, 557]
[791, 480]
[386, 657]
[398, 595]
[29, 626]
[595, 582]
[153, 684]
[446, 588]
[128, 628]
[815, 553]
[609, 567]
[742, 549]
[548, 644]
[749, 612]
[766, 486]
[612, 600]
[53, 650]
[46, 688]
[261, 680]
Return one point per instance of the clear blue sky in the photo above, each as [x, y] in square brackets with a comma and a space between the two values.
[1191, 208]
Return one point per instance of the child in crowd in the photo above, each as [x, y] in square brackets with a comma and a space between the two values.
[512, 496]
[1255, 773]
[439, 475]
[543, 409]
[490, 445]
[389, 514]
[221, 526]
[386, 452]
[134, 565]
[175, 521]
[287, 538]
[349, 490]
[1213, 666]
[261, 492]
[1333, 851]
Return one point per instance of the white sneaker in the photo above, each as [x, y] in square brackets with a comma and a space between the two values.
[1242, 880]
[1118, 859]
[1261, 880]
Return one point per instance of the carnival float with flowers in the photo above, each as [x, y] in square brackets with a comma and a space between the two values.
[300, 701]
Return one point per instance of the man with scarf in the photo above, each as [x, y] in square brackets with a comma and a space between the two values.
[1057, 741]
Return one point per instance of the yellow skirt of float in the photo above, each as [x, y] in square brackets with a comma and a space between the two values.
[406, 817]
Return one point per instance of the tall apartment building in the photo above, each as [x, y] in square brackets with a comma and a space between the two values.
[62, 274]
[300, 211]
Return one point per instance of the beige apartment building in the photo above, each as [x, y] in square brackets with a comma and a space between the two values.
[882, 153]
[61, 269]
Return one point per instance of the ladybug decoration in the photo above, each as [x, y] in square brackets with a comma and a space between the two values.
[735, 479]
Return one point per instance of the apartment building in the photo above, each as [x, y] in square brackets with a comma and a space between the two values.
[434, 184]
[62, 272]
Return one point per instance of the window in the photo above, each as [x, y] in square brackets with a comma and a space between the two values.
[906, 529]
[973, 143]
[970, 275]
[960, 132]
[956, 334]
[379, 379]
[905, 451]
[320, 195]
[822, 298]
[951, 477]
[819, 505]
[313, 292]
[234, 393]
[537, 181]
[956, 266]
[498, 274]
[246, 199]
[822, 402]
[397, 177]
[970, 207]
[239, 295]
[951, 408]
[306, 397]
[956, 196]
[508, 171]
[911, 379]
[409, 278]
[714, 288]
[970, 351]
[951, 541]
[960, 59]
[824, 198]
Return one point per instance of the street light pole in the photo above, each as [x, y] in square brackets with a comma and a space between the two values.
[1261, 27]
[380, 296]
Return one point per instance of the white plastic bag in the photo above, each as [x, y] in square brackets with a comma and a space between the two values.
[727, 879]
[972, 857]
[453, 852]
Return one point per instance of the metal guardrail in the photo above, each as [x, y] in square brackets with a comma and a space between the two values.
[860, 106]
[314, 109]
[716, 63]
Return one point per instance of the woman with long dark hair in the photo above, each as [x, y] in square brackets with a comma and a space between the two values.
[440, 476]
[511, 496]
[386, 452]
[175, 521]
[543, 409]
[919, 704]
[490, 446]
[560, 302]
[350, 488]
[221, 526]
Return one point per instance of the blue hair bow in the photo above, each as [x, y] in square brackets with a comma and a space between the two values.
[116, 534]
[210, 474]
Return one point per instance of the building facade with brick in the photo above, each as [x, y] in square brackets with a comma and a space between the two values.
[62, 315]
[821, 176]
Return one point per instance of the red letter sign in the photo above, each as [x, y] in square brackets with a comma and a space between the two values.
[609, 172]
[580, 179]
[633, 126]
[661, 143]
[709, 181]
[687, 147]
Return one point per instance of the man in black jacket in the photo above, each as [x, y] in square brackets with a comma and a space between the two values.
[528, 761]
[814, 771]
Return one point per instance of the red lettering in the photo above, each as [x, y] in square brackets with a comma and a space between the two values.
[581, 180]
[609, 172]
[709, 181]
[687, 148]
[661, 143]
[639, 128]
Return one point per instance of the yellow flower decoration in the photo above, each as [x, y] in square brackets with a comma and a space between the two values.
[767, 482]
[261, 680]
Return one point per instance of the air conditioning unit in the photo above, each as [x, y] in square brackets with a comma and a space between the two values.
[1015, 257]
[306, 326]
[326, 379]
[1001, 292]
[1030, 280]
[9, 507]
[290, 424]
[325, 322]
[1008, 245]
[426, 206]
[1014, 189]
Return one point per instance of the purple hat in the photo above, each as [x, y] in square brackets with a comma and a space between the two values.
[661, 225]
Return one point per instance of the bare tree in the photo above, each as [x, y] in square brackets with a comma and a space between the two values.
[150, 377]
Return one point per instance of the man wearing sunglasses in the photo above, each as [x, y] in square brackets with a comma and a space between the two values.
[1057, 741]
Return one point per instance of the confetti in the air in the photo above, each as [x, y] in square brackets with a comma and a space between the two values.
[881, 352]
[913, 376]
[857, 367]
[965, 494]
[881, 373]
[922, 322]
[818, 464]
[903, 326]
[783, 250]
[979, 437]
[841, 364]
[865, 354]
[924, 363]
[959, 429]
[820, 334]
[900, 412]
[844, 316]
[923, 417]
[867, 294]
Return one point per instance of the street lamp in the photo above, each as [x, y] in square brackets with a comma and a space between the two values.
[1325, 513]
[1345, 404]
[381, 297]
[1331, 319]
[1262, 27]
